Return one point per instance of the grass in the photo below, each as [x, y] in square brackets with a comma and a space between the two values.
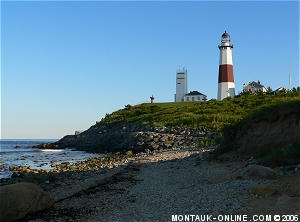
[213, 114]
[209, 141]
[275, 105]
[281, 156]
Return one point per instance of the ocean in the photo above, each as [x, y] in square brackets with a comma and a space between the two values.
[20, 153]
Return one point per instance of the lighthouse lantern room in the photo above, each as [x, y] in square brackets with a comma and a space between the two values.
[226, 80]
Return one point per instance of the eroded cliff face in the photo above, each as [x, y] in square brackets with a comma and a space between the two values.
[278, 127]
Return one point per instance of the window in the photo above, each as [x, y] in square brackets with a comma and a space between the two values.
[187, 98]
[198, 98]
[193, 98]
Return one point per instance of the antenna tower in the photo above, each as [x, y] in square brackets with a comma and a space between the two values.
[290, 79]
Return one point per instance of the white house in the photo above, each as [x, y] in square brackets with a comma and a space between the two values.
[194, 96]
[254, 87]
[280, 89]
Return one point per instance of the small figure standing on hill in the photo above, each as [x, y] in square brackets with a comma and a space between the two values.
[152, 99]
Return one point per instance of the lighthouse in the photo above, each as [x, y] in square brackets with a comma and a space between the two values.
[226, 81]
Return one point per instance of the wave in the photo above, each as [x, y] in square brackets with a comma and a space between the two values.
[50, 150]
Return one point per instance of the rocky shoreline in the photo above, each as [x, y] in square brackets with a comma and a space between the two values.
[136, 138]
[49, 178]
[155, 185]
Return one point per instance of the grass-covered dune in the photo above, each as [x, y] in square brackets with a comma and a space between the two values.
[212, 114]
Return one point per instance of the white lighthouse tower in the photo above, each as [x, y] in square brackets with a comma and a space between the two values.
[226, 81]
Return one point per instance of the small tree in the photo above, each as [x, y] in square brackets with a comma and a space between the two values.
[269, 91]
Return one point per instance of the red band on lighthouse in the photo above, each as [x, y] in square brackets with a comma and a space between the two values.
[226, 73]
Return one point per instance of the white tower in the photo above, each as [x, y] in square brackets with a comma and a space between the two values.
[226, 81]
[181, 84]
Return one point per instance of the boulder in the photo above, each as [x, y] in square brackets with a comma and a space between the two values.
[264, 189]
[19, 199]
[259, 172]
[219, 176]
[290, 192]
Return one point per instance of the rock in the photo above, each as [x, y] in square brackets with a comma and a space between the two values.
[149, 138]
[19, 199]
[288, 168]
[195, 139]
[282, 200]
[140, 143]
[147, 151]
[168, 142]
[290, 193]
[156, 139]
[218, 176]
[259, 172]
[14, 175]
[264, 189]
[154, 146]
[163, 139]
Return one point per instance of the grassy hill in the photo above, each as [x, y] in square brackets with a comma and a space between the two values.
[212, 114]
[275, 143]
[245, 122]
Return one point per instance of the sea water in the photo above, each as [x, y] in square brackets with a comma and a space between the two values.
[21, 153]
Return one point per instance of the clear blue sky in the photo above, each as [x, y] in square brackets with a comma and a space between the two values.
[64, 65]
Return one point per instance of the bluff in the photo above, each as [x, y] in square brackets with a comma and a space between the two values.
[266, 129]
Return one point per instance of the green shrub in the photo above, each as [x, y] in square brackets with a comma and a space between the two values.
[281, 156]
